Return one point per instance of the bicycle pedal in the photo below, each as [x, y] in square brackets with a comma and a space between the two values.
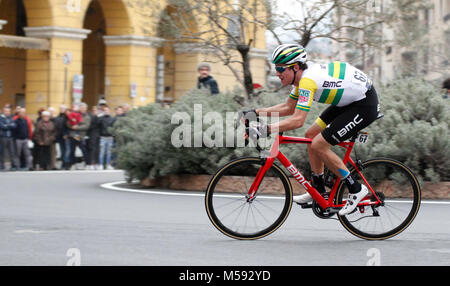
[306, 206]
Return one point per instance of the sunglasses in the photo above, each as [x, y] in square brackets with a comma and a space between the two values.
[282, 69]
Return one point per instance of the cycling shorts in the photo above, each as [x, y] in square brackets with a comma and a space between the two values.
[342, 123]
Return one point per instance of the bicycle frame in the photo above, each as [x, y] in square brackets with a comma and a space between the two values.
[323, 203]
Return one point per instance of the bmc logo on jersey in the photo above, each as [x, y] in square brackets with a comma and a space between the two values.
[331, 84]
[303, 95]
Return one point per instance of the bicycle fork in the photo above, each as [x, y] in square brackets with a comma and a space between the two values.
[251, 195]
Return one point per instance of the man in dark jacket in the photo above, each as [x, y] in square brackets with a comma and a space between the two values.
[106, 139]
[205, 80]
[21, 135]
[7, 126]
[61, 132]
[44, 136]
[93, 134]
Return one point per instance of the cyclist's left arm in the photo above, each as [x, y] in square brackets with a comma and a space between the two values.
[304, 94]
[293, 122]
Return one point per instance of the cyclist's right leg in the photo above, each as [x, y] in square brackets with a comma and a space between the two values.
[316, 163]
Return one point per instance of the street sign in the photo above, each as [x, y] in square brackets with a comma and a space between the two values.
[67, 58]
[133, 90]
[77, 88]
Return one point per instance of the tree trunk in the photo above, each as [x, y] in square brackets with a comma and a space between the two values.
[306, 37]
[248, 80]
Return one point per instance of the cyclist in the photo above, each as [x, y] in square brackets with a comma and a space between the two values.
[353, 106]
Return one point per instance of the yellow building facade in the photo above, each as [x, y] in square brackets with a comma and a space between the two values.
[46, 45]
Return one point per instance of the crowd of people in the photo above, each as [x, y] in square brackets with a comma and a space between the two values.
[37, 145]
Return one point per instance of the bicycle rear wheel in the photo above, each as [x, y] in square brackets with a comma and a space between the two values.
[229, 208]
[396, 187]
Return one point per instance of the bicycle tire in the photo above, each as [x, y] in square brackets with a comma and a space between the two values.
[246, 168]
[398, 181]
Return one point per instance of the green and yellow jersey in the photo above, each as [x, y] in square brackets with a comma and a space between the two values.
[336, 83]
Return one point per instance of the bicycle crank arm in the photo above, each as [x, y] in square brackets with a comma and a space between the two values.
[332, 210]
[305, 206]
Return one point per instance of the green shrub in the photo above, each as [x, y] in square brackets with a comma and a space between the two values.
[414, 131]
[143, 139]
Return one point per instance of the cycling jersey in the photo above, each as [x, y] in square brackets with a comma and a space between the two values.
[336, 83]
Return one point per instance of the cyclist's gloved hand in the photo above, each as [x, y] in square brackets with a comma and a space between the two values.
[259, 131]
[247, 115]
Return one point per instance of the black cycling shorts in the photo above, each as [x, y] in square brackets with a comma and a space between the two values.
[341, 123]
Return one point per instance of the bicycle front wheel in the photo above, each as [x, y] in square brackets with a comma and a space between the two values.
[398, 190]
[229, 208]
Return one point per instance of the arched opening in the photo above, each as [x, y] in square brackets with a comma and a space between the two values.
[103, 67]
[94, 54]
[12, 60]
[171, 64]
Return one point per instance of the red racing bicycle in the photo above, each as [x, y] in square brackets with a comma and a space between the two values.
[251, 197]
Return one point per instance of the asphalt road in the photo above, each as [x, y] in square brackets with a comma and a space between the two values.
[60, 218]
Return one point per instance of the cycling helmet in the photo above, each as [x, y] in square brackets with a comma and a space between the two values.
[289, 54]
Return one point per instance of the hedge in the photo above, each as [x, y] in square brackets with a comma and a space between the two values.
[414, 130]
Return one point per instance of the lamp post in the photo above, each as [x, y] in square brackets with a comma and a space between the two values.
[67, 59]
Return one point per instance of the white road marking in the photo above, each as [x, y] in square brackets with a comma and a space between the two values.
[61, 172]
[20, 231]
[440, 250]
[112, 186]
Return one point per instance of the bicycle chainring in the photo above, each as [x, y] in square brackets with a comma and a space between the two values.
[318, 211]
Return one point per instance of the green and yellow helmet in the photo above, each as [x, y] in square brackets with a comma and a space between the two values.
[289, 54]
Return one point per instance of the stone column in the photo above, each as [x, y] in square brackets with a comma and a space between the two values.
[48, 74]
[130, 60]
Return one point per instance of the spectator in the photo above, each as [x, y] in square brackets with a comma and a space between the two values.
[101, 104]
[106, 139]
[205, 80]
[16, 111]
[67, 161]
[61, 132]
[78, 123]
[93, 134]
[126, 108]
[73, 119]
[119, 111]
[7, 126]
[22, 134]
[35, 151]
[45, 135]
[53, 145]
